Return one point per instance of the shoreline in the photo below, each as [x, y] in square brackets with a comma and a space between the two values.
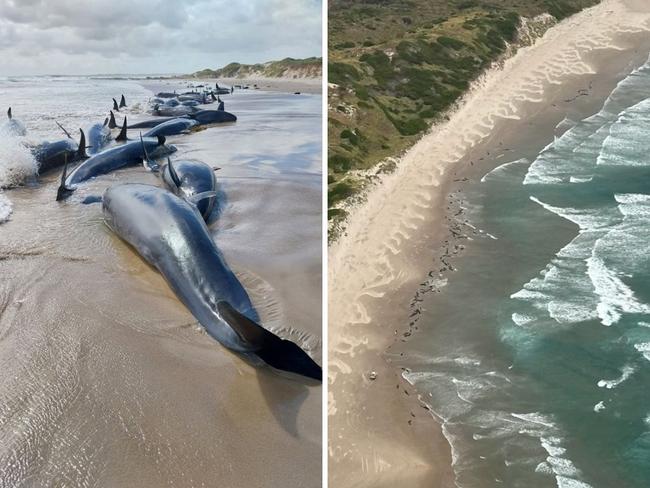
[285, 85]
[403, 224]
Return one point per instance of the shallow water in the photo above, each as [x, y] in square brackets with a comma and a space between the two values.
[536, 353]
[105, 378]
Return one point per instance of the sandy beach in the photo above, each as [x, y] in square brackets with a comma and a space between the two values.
[379, 431]
[106, 378]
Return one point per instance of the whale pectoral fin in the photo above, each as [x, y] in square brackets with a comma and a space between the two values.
[278, 353]
[173, 174]
[148, 163]
[195, 199]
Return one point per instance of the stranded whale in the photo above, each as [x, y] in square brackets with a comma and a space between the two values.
[170, 234]
[114, 158]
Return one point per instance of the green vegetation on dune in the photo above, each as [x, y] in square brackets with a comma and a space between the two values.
[287, 67]
[396, 66]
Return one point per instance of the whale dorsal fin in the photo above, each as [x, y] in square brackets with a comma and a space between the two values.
[248, 330]
[106, 121]
[161, 140]
[173, 174]
[221, 107]
[81, 152]
[195, 199]
[122, 135]
[115, 107]
[111, 122]
[9, 113]
[122, 102]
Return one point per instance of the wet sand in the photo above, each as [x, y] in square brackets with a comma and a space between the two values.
[393, 250]
[107, 380]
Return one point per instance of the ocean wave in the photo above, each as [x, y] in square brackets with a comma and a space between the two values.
[6, 208]
[502, 169]
[627, 371]
[17, 163]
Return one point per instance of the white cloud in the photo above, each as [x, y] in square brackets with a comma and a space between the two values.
[152, 36]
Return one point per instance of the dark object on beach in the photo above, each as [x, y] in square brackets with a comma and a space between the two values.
[296, 93]
[52, 155]
[169, 233]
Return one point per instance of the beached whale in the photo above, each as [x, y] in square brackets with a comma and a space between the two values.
[170, 234]
[112, 159]
[166, 95]
[99, 135]
[12, 126]
[187, 178]
[172, 127]
[177, 111]
[205, 117]
[148, 124]
[51, 155]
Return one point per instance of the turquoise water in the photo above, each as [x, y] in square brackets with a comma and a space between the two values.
[536, 354]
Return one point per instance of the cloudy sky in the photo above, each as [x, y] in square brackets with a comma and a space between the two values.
[152, 36]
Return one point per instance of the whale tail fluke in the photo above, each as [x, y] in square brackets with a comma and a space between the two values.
[278, 353]
[122, 135]
[111, 122]
[81, 151]
[122, 102]
[115, 106]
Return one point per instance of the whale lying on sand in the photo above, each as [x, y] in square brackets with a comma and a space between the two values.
[187, 179]
[205, 117]
[12, 126]
[51, 155]
[111, 159]
[148, 124]
[170, 234]
[172, 127]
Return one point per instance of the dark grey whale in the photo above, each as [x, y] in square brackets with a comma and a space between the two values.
[187, 178]
[172, 127]
[51, 155]
[170, 234]
[206, 117]
[148, 124]
[112, 159]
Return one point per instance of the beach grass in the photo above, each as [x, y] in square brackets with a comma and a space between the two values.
[396, 67]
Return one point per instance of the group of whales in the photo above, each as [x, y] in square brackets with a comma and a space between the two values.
[168, 228]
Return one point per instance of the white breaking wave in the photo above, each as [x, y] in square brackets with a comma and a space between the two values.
[17, 164]
[500, 170]
[626, 372]
[6, 208]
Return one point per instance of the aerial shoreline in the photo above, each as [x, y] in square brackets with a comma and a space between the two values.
[376, 264]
